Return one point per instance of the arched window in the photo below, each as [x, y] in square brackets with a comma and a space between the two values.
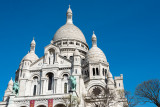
[71, 43]
[50, 81]
[97, 72]
[65, 76]
[77, 43]
[64, 43]
[65, 81]
[49, 60]
[75, 71]
[87, 73]
[103, 72]
[71, 58]
[65, 87]
[35, 82]
[20, 73]
[65, 57]
[23, 75]
[93, 71]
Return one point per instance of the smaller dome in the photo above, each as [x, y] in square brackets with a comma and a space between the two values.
[10, 82]
[96, 55]
[31, 56]
[76, 53]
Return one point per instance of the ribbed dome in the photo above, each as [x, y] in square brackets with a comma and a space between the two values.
[69, 31]
[31, 57]
[96, 55]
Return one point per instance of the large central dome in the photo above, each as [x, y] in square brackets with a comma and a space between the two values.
[69, 30]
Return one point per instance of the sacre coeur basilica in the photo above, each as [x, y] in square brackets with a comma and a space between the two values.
[69, 74]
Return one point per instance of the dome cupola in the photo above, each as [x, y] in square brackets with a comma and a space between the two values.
[95, 54]
[31, 56]
[69, 38]
[69, 30]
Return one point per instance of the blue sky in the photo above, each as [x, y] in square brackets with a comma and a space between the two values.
[128, 32]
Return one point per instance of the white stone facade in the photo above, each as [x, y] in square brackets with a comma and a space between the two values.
[47, 77]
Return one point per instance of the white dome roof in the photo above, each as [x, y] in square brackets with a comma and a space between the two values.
[31, 57]
[96, 55]
[10, 82]
[69, 31]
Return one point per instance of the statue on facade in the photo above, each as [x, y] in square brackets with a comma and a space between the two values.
[73, 83]
[15, 88]
[51, 57]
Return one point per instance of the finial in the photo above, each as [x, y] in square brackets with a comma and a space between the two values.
[93, 31]
[33, 37]
[94, 40]
[11, 78]
[69, 15]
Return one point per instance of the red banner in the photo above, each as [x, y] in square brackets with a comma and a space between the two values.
[50, 102]
[32, 103]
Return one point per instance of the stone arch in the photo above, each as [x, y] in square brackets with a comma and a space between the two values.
[25, 104]
[60, 105]
[41, 106]
[63, 73]
[51, 47]
[53, 72]
[35, 75]
[50, 77]
[93, 83]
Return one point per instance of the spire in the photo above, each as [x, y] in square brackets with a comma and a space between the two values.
[69, 16]
[94, 40]
[32, 46]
